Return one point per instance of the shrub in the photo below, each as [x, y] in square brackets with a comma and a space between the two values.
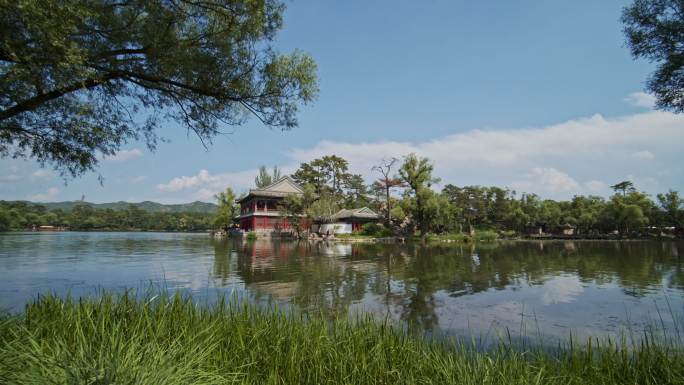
[460, 237]
[385, 232]
[486, 236]
[375, 230]
[370, 229]
[251, 236]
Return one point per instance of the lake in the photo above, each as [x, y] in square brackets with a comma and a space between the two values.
[549, 289]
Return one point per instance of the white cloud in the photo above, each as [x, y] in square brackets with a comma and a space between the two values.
[597, 187]
[206, 194]
[643, 155]
[582, 139]
[587, 151]
[641, 99]
[50, 195]
[10, 170]
[646, 183]
[138, 179]
[206, 184]
[555, 161]
[42, 174]
[562, 289]
[10, 178]
[186, 182]
[124, 155]
[547, 180]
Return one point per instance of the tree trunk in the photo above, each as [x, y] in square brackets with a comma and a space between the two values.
[389, 209]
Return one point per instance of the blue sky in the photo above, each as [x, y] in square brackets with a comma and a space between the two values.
[537, 96]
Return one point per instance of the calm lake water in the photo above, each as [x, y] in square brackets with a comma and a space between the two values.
[534, 288]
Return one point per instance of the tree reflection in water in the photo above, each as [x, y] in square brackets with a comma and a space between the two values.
[568, 285]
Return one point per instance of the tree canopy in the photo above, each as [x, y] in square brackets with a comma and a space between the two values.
[24, 215]
[330, 178]
[386, 183]
[419, 198]
[227, 209]
[624, 187]
[264, 179]
[655, 31]
[78, 79]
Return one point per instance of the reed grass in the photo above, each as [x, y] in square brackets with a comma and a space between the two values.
[121, 339]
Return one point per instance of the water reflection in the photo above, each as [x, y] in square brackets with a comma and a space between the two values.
[591, 288]
[456, 289]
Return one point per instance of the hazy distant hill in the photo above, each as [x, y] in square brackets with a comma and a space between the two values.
[194, 207]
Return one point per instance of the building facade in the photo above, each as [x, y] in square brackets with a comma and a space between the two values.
[259, 209]
[347, 221]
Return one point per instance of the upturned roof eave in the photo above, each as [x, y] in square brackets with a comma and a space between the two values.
[265, 193]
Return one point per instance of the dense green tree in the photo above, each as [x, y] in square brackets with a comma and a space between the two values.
[322, 209]
[312, 174]
[137, 217]
[5, 222]
[673, 207]
[498, 205]
[624, 187]
[586, 211]
[325, 174]
[627, 213]
[330, 177]
[516, 219]
[398, 214]
[632, 217]
[444, 215]
[335, 169]
[80, 214]
[356, 192]
[655, 31]
[551, 214]
[76, 76]
[416, 172]
[479, 206]
[295, 208]
[264, 178]
[227, 209]
[22, 216]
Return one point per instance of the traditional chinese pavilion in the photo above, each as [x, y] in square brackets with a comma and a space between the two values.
[346, 221]
[259, 208]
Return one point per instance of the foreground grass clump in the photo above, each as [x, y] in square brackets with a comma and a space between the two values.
[170, 340]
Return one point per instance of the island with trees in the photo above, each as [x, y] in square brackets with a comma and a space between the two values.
[404, 194]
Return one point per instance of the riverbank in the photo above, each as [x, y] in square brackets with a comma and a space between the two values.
[173, 341]
[487, 236]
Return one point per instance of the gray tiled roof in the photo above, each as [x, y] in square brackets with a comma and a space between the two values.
[362, 213]
[271, 192]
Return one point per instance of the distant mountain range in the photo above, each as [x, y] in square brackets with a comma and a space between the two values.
[194, 207]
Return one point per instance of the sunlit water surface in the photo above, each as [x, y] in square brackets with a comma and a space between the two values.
[549, 289]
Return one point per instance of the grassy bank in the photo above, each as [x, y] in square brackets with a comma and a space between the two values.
[120, 340]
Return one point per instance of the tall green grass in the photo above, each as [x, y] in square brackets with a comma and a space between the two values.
[171, 340]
